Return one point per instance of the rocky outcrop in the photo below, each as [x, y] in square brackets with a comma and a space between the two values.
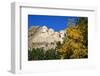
[44, 37]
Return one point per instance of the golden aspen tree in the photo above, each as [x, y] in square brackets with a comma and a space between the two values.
[75, 44]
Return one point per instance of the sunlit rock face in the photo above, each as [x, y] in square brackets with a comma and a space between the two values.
[45, 38]
[44, 29]
[50, 31]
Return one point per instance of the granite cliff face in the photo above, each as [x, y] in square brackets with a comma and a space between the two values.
[44, 37]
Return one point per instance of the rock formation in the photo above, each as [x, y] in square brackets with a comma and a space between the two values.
[44, 37]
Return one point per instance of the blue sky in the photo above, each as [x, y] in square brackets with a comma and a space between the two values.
[56, 22]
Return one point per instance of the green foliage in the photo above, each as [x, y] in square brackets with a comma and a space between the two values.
[52, 54]
[36, 54]
[40, 54]
[30, 56]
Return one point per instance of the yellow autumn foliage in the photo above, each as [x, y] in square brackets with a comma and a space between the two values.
[75, 42]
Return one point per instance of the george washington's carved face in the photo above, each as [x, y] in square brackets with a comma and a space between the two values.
[44, 29]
